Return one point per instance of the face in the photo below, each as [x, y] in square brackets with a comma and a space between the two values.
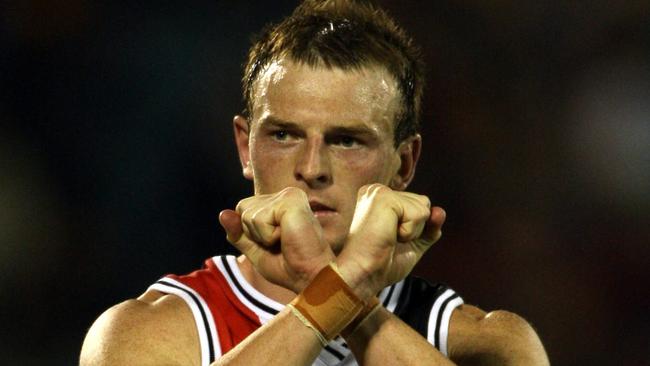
[327, 132]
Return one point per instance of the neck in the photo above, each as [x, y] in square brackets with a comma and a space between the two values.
[275, 292]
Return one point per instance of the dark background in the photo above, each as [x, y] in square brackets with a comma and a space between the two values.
[116, 156]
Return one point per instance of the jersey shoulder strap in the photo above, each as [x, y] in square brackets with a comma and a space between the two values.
[427, 308]
[222, 320]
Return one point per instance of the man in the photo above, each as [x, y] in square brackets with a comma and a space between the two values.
[330, 142]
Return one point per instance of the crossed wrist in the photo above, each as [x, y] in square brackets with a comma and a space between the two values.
[328, 305]
[354, 274]
[308, 277]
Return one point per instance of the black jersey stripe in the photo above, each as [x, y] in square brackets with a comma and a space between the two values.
[436, 338]
[204, 317]
[390, 293]
[334, 353]
[248, 296]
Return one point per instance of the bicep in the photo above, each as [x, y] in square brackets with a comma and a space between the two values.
[136, 333]
[112, 335]
[495, 338]
[471, 340]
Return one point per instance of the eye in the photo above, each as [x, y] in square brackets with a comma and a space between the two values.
[280, 135]
[346, 141]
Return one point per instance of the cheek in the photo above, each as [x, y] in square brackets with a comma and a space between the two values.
[270, 166]
[366, 167]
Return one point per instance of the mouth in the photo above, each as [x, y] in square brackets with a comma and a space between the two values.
[320, 209]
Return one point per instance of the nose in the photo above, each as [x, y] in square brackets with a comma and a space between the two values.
[313, 165]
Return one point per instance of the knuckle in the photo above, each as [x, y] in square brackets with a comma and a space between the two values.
[287, 191]
[425, 200]
[426, 210]
[420, 205]
[255, 217]
[293, 192]
[376, 191]
[380, 188]
[362, 191]
[245, 216]
[241, 206]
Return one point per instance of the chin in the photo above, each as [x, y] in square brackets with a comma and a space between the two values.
[336, 235]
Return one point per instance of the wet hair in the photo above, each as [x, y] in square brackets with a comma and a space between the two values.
[344, 34]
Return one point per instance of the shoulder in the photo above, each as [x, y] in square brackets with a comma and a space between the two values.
[154, 329]
[500, 337]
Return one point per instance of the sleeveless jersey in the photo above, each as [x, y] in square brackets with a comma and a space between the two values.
[227, 309]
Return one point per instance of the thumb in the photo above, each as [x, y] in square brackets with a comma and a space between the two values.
[231, 222]
[433, 228]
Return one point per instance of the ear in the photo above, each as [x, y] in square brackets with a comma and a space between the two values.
[242, 139]
[409, 153]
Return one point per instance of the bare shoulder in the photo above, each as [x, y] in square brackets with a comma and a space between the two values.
[498, 337]
[154, 329]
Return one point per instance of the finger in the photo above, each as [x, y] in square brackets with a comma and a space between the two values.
[410, 230]
[264, 227]
[231, 222]
[244, 204]
[243, 211]
[416, 214]
[438, 217]
[433, 228]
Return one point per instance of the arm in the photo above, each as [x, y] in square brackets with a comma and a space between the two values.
[254, 229]
[384, 339]
[496, 338]
[370, 260]
[158, 330]
[150, 330]
[282, 341]
[475, 338]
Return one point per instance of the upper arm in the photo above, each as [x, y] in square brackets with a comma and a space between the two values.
[499, 337]
[138, 332]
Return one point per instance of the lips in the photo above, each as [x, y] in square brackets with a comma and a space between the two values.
[319, 207]
[322, 212]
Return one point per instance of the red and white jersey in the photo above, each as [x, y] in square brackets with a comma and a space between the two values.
[227, 309]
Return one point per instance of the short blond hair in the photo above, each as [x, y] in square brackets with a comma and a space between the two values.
[345, 34]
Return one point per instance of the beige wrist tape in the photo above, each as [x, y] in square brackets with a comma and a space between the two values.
[371, 306]
[327, 303]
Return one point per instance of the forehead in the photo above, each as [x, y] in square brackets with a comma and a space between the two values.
[297, 92]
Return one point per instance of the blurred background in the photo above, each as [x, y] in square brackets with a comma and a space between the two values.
[116, 156]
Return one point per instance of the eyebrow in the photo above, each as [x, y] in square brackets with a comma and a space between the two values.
[276, 122]
[355, 130]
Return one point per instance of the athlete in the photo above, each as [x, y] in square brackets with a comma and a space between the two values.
[329, 140]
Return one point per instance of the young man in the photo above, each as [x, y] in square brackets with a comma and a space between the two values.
[330, 142]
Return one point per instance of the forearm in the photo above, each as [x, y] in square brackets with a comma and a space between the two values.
[285, 340]
[383, 339]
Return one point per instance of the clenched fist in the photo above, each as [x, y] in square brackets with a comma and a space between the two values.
[389, 233]
[280, 236]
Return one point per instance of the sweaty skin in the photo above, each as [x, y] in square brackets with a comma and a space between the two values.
[327, 132]
[329, 185]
